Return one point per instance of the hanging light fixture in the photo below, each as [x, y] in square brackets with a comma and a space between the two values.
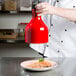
[36, 31]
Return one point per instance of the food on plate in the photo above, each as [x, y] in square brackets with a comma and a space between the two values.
[41, 59]
[41, 63]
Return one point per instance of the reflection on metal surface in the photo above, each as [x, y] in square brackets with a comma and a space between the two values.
[10, 41]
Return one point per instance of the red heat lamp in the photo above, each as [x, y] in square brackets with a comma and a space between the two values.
[36, 31]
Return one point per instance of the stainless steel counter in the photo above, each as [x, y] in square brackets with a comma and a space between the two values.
[11, 67]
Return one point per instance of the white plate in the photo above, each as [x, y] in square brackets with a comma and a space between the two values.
[25, 63]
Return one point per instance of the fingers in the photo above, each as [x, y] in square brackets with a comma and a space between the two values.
[42, 13]
[40, 5]
[41, 8]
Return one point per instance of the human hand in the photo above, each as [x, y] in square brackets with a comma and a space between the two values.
[44, 8]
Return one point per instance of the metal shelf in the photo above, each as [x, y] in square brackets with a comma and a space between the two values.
[17, 40]
[15, 12]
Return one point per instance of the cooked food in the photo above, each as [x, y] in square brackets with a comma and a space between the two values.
[40, 64]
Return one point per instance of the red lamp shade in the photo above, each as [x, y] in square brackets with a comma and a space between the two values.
[36, 31]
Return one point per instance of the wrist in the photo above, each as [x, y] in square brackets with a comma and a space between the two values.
[54, 10]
